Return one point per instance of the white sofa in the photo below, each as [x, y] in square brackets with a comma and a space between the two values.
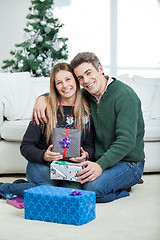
[18, 92]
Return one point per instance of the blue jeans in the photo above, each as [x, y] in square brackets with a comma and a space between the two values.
[37, 174]
[108, 186]
[111, 183]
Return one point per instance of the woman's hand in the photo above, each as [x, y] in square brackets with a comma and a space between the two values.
[40, 110]
[50, 156]
[82, 158]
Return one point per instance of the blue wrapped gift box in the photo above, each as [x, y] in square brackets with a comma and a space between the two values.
[55, 204]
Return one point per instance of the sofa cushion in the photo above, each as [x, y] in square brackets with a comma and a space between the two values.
[152, 130]
[16, 92]
[40, 85]
[143, 80]
[125, 79]
[146, 94]
[13, 130]
[155, 109]
[155, 112]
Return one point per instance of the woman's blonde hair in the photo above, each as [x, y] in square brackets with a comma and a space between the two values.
[54, 99]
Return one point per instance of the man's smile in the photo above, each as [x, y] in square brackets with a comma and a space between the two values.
[90, 85]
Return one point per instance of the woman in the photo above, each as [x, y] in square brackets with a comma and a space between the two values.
[66, 108]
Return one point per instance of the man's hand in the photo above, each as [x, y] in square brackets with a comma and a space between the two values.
[91, 171]
[82, 158]
[50, 156]
[40, 110]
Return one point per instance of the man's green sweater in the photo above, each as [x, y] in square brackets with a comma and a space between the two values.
[119, 125]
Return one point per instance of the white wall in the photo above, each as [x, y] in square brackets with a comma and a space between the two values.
[86, 26]
[12, 21]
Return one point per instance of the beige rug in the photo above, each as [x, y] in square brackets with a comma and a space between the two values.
[136, 217]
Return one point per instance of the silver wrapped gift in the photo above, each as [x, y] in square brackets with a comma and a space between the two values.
[62, 170]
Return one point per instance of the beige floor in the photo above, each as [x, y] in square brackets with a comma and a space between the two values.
[136, 217]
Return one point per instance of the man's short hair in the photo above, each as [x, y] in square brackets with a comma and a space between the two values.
[88, 57]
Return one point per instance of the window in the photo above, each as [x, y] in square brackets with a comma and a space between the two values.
[87, 26]
[124, 34]
[138, 37]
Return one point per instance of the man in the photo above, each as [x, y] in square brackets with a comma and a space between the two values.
[119, 126]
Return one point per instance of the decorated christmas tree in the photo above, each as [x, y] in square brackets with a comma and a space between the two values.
[43, 47]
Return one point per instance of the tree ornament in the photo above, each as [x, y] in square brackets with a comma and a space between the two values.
[48, 53]
[30, 28]
[40, 58]
[35, 20]
[42, 0]
[32, 11]
[49, 42]
[39, 71]
[35, 12]
[43, 22]
[43, 55]
[50, 25]
[63, 52]
[31, 57]
[33, 45]
[24, 53]
[39, 38]
[44, 65]
[32, 33]
[47, 30]
[56, 45]
[49, 13]
[20, 64]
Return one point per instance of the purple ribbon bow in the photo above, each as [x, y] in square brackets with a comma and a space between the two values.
[75, 192]
[65, 142]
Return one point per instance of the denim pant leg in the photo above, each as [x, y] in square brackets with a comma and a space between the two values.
[39, 174]
[16, 189]
[111, 183]
[36, 173]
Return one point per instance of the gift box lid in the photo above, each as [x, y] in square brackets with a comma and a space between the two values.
[48, 190]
